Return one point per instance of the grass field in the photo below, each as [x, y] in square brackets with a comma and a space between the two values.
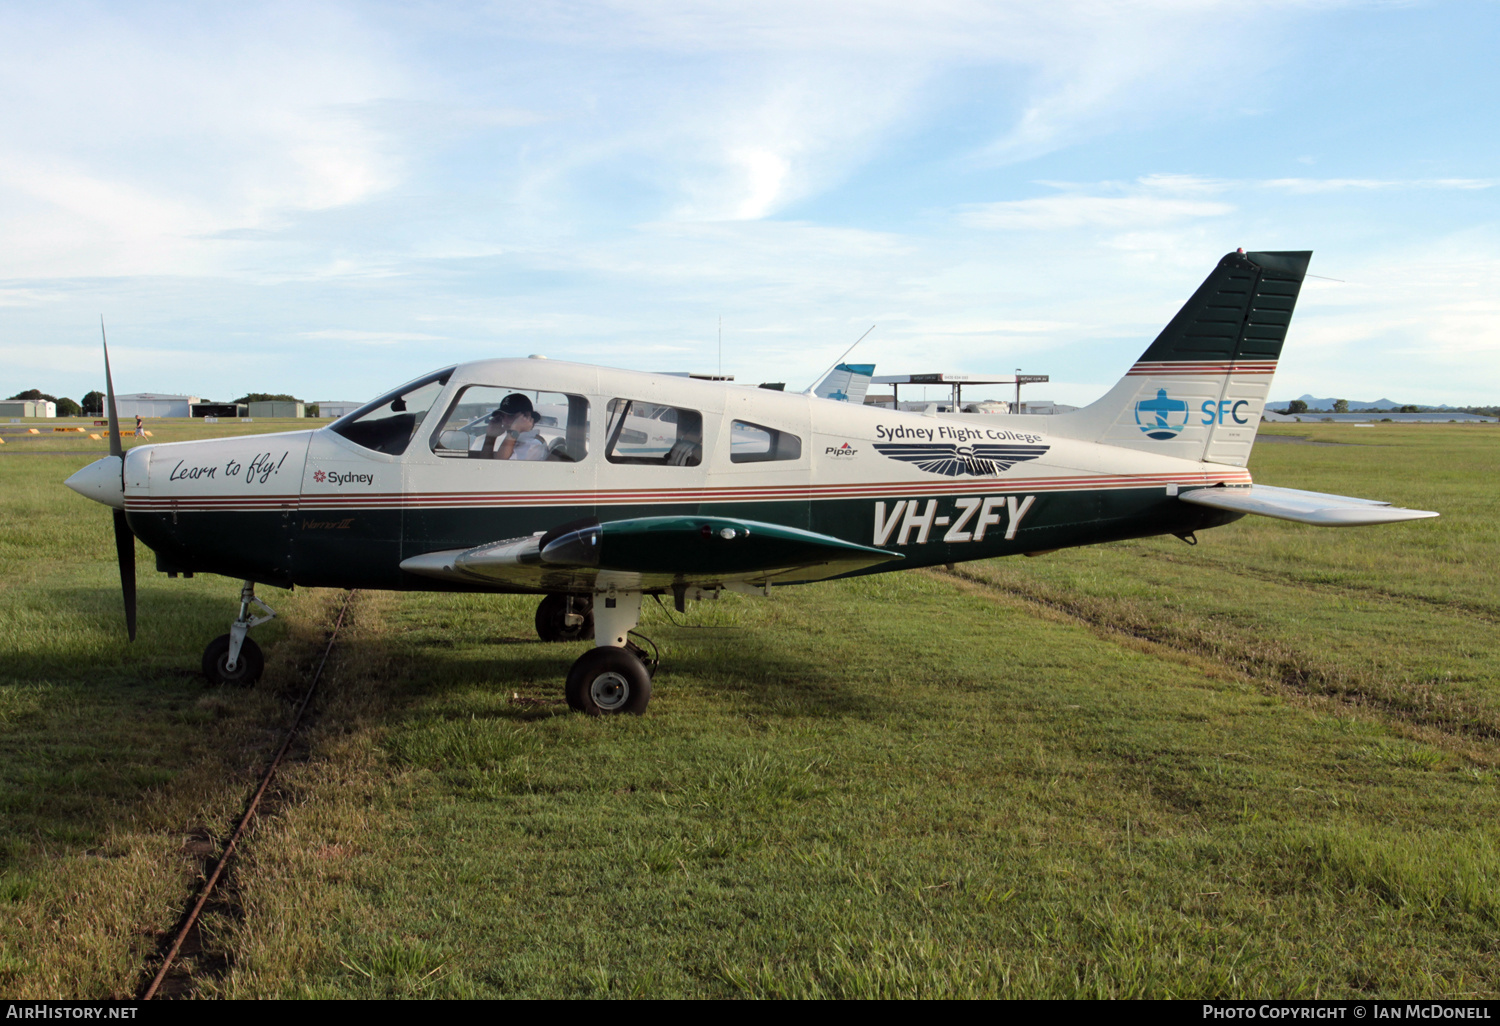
[1268, 765]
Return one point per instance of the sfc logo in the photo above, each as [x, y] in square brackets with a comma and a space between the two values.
[1161, 418]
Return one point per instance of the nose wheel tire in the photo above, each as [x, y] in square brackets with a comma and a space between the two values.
[247, 669]
[608, 681]
[552, 618]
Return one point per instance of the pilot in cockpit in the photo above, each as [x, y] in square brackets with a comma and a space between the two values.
[513, 425]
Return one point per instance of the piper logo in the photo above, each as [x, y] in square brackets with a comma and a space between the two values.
[841, 452]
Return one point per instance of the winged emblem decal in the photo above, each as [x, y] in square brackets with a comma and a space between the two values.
[952, 460]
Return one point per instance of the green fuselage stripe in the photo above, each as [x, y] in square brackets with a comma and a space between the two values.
[363, 548]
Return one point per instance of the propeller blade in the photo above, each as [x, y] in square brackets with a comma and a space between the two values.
[124, 536]
[115, 447]
[125, 548]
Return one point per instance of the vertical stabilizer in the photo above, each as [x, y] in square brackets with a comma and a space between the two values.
[1199, 390]
[847, 383]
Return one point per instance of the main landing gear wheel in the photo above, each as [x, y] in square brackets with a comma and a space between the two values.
[606, 681]
[247, 668]
[565, 618]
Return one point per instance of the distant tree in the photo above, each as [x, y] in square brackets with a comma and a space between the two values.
[1296, 406]
[1341, 406]
[311, 411]
[93, 403]
[35, 395]
[68, 408]
[266, 397]
[1410, 409]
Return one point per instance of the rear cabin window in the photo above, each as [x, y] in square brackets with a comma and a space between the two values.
[387, 424]
[756, 443]
[649, 434]
[493, 422]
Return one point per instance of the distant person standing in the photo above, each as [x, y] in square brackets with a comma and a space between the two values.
[140, 427]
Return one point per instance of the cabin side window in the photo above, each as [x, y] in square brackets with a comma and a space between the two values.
[387, 424]
[650, 434]
[494, 422]
[756, 443]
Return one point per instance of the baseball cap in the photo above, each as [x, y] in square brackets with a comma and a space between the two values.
[516, 403]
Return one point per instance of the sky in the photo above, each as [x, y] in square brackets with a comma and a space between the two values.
[328, 199]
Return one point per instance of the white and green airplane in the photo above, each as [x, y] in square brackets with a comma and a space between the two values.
[619, 484]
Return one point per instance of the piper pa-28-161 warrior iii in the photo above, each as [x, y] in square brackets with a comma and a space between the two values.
[593, 487]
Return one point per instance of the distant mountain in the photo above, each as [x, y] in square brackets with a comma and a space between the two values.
[1326, 405]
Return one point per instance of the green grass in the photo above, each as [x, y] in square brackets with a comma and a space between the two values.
[112, 755]
[1265, 766]
[164, 429]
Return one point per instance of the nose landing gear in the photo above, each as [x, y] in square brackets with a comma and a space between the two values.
[234, 658]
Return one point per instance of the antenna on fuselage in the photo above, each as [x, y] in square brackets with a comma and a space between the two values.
[808, 390]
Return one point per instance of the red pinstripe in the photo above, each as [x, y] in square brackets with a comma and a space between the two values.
[1168, 368]
[795, 493]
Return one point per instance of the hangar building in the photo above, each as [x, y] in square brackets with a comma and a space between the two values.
[28, 408]
[151, 404]
[273, 409]
[336, 407]
[220, 410]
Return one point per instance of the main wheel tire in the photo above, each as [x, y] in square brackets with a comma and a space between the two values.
[552, 618]
[607, 681]
[247, 668]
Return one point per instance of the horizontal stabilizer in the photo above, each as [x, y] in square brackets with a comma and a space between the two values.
[652, 553]
[1303, 507]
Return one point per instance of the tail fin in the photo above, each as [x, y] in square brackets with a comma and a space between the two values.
[847, 383]
[1199, 390]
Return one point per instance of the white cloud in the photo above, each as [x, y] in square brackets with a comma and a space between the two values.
[1053, 213]
[135, 138]
[373, 338]
[1316, 185]
[761, 104]
[1153, 200]
[1418, 325]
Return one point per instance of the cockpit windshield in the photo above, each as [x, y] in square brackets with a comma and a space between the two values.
[388, 423]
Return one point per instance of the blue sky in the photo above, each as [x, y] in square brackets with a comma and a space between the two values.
[329, 199]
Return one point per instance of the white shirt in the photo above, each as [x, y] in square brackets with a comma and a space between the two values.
[530, 446]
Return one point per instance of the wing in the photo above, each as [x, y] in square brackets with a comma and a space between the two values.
[1303, 507]
[652, 553]
[1006, 456]
[933, 457]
